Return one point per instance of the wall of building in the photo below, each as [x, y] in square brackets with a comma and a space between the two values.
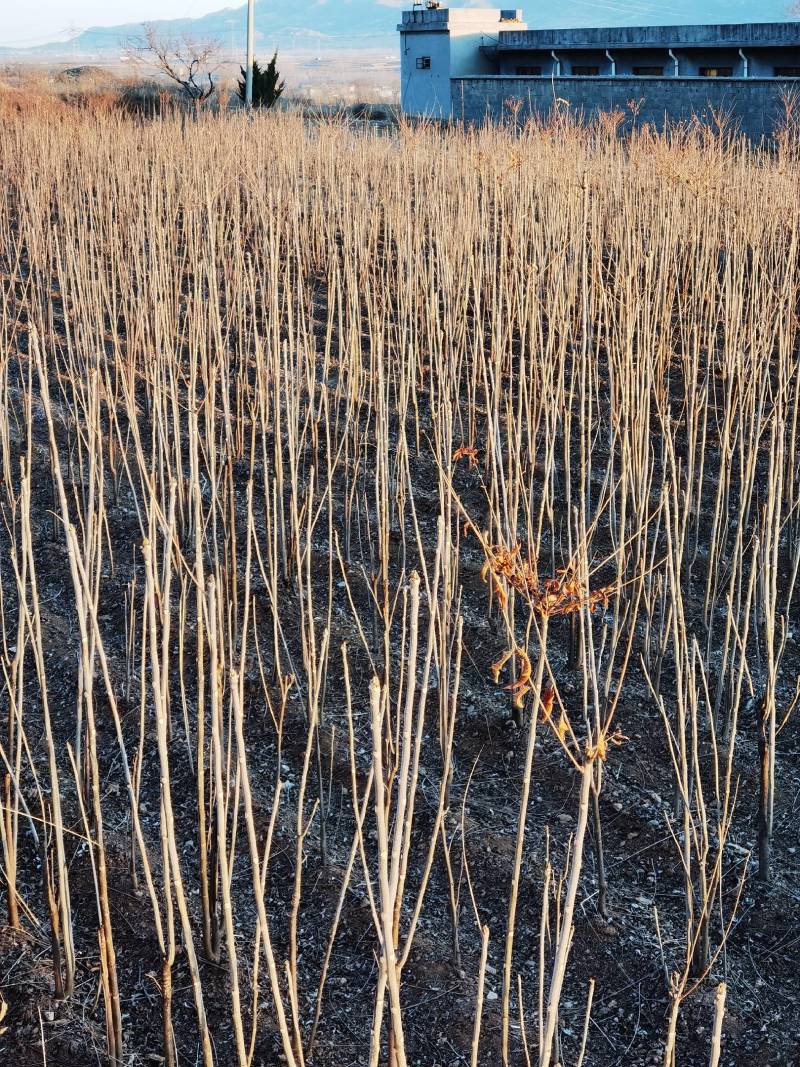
[761, 62]
[451, 38]
[627, 59]
[425, 92]
[624, 59]
[692, 60]
[755, 103]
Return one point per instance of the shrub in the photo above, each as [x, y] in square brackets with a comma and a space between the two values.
[266, 86]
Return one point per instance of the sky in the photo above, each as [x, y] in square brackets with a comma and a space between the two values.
[23, 25]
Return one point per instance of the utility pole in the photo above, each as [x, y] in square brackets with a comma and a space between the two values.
[248, 83]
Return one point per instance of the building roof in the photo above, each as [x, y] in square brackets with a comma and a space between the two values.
[735, 35]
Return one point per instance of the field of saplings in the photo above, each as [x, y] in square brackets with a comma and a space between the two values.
[399, 607]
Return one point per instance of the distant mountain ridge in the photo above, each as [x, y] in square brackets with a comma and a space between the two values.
[370, 24]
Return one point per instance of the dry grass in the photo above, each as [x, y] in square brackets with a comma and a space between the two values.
[307, 433]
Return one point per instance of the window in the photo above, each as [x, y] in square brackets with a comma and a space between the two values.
[423, 62]
[787, 72]
[526, 72]
[649, 72]
[716, 72]
[585, 71]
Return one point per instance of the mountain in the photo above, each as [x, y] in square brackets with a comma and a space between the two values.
[286, 24]
[371, 24]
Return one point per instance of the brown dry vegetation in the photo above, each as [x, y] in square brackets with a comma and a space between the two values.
[398, 608]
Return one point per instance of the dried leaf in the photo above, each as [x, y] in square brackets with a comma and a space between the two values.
[562, 595]
[519, 697]
[599, 751]
[563, 726]
[498, 666]
[467, 452]
[548, 695]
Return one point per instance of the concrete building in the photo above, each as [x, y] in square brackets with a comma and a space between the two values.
[439, 44]
[471, 64]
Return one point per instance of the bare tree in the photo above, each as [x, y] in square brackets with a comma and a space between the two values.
[189, 63]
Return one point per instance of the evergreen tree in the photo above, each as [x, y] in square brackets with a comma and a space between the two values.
[267, 86]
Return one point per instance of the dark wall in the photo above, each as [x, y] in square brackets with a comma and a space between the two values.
[755, 103]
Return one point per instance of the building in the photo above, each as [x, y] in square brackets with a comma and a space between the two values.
[471, 64]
